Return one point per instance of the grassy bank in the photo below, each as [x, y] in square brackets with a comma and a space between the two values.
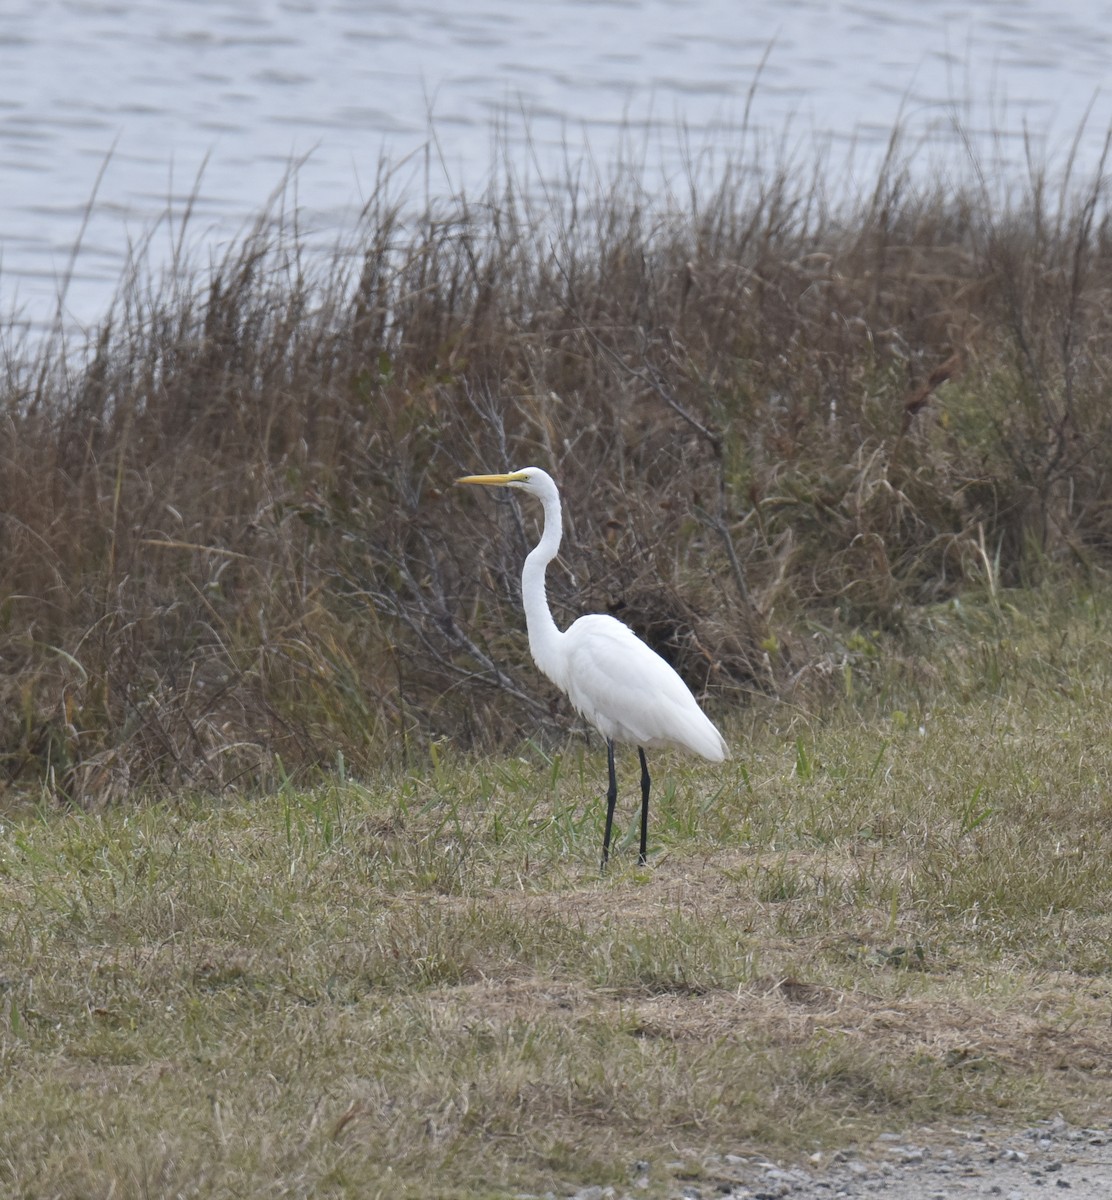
[231, 551]
[418, 984]
[298, 859]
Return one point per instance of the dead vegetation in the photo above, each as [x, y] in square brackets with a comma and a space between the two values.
[230, 547]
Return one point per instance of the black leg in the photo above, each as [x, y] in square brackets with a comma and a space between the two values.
[611, 800]
[645, 782]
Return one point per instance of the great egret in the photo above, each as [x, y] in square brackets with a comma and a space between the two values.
[625, 689]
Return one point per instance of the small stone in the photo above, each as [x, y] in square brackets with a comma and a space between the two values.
[1056, 1165]
[1062, 1183]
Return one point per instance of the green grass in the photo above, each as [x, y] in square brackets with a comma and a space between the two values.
[418, 984]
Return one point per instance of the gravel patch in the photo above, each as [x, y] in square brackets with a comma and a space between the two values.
[1052, 1158]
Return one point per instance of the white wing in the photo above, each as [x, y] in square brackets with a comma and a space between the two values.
[629, 693]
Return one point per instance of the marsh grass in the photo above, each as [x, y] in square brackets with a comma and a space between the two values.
[232, 554]
[417, 982]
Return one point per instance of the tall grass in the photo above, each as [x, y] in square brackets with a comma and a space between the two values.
[230, 549]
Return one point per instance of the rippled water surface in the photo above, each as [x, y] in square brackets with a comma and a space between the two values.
[216, 98]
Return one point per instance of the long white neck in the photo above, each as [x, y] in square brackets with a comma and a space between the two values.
[544, 637]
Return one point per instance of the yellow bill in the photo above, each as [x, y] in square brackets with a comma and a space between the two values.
[494, 480]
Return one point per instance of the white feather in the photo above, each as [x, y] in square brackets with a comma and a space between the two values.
[629, 693]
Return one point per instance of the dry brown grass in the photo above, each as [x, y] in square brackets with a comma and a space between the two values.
[230, 549]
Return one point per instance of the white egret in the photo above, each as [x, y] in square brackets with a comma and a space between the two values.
[614, 680]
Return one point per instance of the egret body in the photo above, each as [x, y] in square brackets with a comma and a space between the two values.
[614, 680]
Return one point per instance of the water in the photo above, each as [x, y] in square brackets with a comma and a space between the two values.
[155, 106]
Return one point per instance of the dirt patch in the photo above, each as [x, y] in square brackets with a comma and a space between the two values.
[961, 1035]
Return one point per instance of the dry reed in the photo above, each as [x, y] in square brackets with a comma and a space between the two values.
[230, 550]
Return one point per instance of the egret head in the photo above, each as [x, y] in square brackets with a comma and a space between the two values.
[528, 479]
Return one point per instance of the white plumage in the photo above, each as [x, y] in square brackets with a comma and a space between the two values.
[629, 693]
[614, 680]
